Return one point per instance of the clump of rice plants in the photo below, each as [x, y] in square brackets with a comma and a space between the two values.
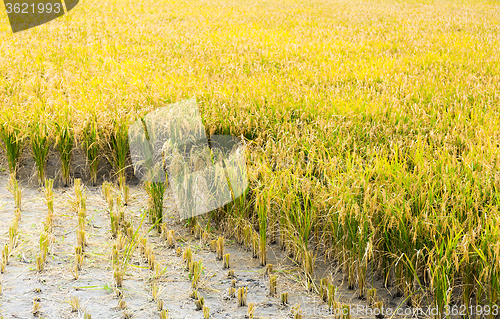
[156, 192]
[37, 307]
[195, 294]
[118, 274]
[163, 231]
[64, 143]
[206, 237]
[284, 298]
[171, 239]
[119, 148]
[39, 263]
[15, 189]
[323, 289]
[78, 258]
[49, 199]
[44, 244]
[115, 255]
[206, 312]
[80, 200]
[296, 312]
[226, 261]
[242, 296]
[164, 314]
[346, 311]
[232, 292]
[5, 258]
[107, 193]
[269, 270]
[80, 205]
[262, 203]
[114, 223]
[196, 272]
[251, 310]
[199, 303]
[379, 305]
[151, 260]
[155, 292]
[187, 257]
[39, 144]
[74, 302]
[13, 137]
[371, 296]
[332, 295]
[91, 143]
[255, 244]
[14, 233]
[220, 248]
[272, 285]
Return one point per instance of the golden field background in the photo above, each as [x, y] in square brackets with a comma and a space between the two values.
[374, 124]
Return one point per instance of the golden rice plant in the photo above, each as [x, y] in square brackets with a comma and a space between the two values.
[284, 298]
[226, 258]
[13, 136]
[14, 233]
[156, 193]
[159, 304]
[49, 199]
[171, 239]
[74, 302]
[296, 311]
[242, 296]
[15, 189]
[206, 312]
[220, 248]
[40, 139]
[91, 142]
[37, 307]
[251, 310]
[199, 303]
[64, 143]
[262, 209]
[196, 273]
[272, 285]
[118, 146]
[118, 274]
[164, 314]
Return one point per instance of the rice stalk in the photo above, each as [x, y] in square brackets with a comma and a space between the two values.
[64, 143]
[91, 143]
[39, 143]
[13, 137]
